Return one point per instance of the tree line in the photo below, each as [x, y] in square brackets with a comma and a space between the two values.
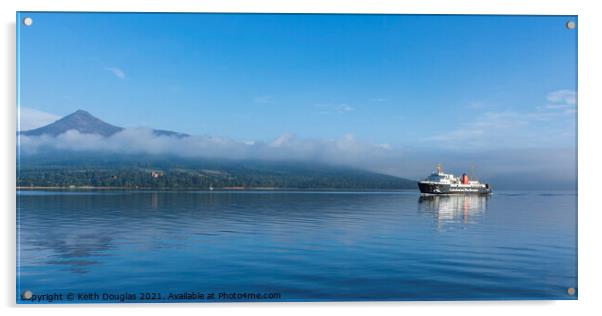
[178, 178]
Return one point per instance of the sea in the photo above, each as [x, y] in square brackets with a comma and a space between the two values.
[124, 246]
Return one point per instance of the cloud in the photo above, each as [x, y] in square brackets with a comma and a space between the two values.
[346, 150]
[491, 128]
[30, 118]
[282, 140]
[545, 125]
[344, 108]
[117, 72]
[564, 96]
[334, 108]
[560, 101]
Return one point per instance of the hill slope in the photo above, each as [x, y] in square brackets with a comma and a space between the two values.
[174, 172]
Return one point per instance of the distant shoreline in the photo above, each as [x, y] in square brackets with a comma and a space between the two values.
[229, 189]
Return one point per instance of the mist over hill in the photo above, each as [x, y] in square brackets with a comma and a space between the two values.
[82, 150]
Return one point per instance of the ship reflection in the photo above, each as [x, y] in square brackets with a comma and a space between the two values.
[453, 208]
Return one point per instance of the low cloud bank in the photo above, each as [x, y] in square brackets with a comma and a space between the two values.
[508, 168]
[346, 150]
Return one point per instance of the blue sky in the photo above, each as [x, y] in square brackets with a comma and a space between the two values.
[480, 83]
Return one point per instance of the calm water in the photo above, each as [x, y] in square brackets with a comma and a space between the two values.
[301, 245]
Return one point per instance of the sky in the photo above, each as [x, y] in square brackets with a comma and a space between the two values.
[498, 92]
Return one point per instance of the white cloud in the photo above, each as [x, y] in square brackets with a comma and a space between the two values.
[344, 108]
[346, 150]
[564, 96]
[282, 140]
[555, 107]
[489, 128]
[31, 118]
[117, 72]
[334, 108]
[546, 125]
[560, 102]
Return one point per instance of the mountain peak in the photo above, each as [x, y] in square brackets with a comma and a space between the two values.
[81, 121]
[86, 123]
[81, 115]
[81, 112]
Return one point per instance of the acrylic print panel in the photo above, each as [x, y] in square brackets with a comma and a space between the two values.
[295, 157]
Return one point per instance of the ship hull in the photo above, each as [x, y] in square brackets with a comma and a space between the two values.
[438, 188]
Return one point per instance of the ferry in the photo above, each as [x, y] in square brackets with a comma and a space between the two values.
[444, 183]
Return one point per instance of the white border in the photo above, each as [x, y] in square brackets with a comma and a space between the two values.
[590, 29]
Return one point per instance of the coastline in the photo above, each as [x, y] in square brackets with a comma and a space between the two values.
[228, 189]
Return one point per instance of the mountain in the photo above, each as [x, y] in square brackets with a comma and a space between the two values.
[59, 167]
[86, 123]
[80, 121]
